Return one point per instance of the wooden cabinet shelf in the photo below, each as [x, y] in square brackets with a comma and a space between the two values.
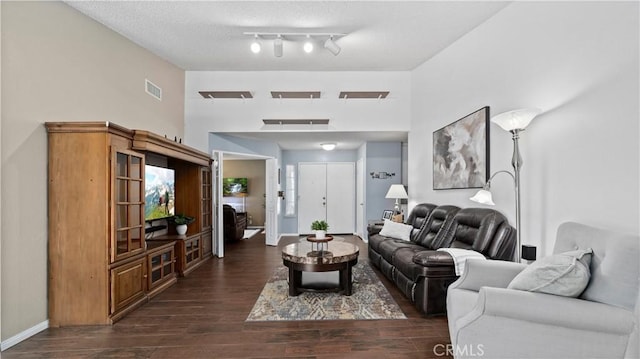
[100, 266]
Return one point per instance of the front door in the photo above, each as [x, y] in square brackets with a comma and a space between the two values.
[312, 195]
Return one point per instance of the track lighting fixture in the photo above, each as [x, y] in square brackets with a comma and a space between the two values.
[308, 46]
[332, 46]
[255, 45]
[277, 46]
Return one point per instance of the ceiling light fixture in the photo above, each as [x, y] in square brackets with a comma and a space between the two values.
[308, 46]
[332, 46]
[277, 46]
[328, 146]
[255, 45]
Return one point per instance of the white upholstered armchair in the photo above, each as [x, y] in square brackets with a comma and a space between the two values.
[487, 318]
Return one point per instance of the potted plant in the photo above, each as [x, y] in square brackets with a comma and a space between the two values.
[181, 221]
[320, 227]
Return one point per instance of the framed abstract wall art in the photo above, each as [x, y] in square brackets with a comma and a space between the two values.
[461, 152]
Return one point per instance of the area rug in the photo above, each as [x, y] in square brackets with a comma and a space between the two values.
[248, 233]
[369, 300]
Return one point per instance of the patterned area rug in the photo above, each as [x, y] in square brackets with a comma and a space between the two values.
[369, 300]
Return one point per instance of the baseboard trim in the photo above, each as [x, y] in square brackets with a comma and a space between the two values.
[24, 335]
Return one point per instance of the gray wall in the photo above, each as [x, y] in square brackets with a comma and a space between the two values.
[381, 157]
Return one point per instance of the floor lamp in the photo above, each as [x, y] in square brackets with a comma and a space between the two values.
[515, 122]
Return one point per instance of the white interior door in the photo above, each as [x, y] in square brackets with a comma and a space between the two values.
[218, 232]
[271, 202]
[312, 197]
[341, 197]
[360, 198]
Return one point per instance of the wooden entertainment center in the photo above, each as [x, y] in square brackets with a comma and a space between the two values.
[102, 264]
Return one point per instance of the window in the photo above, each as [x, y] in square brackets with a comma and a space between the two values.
[290, 195]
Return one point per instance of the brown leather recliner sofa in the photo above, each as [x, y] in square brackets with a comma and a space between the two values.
[420, 271]
[234, 225]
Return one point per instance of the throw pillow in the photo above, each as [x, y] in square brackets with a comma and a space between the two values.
[396, 230]
[565, 274]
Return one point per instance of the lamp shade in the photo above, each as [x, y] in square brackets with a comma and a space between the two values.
[396, 191]
[483, 196]
[516, 119]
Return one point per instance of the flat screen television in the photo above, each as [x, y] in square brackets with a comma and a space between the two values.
[159, 192]
[234, 187]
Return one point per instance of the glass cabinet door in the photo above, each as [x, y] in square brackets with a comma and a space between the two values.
[128, 204]
[205, 200]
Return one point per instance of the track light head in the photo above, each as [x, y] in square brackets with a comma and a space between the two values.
[332, 46]
[255, 45]
[277, 46]
[308, 45]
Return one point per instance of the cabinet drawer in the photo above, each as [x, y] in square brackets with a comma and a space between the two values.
[128, 284]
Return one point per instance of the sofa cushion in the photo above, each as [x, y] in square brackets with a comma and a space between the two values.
[486, 231]
[396, 230]
[388, 248]
[418, 217]
[375, 240]
[614, 263]
[565, 274]
[437, 231]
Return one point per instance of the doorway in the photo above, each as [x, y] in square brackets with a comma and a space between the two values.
[245, 183]
[326, 191]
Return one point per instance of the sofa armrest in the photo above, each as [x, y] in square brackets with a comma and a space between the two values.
[489, 273]
[554, 310]
[433, 259]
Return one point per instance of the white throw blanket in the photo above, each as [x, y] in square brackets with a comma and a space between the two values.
[460, 257]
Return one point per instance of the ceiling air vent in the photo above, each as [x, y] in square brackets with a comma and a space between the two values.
[152, 89]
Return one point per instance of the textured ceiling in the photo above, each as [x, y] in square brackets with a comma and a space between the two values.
[208, 35]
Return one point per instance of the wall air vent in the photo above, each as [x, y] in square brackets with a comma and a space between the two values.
[152, 89]
[226, 94]
[363, 94]
[295, 94]
[305, 121]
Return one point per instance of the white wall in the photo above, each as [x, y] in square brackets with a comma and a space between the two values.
[235, 115]
[59, 65]
[578, 62]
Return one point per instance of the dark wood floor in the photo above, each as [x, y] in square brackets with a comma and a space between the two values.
[203, 316]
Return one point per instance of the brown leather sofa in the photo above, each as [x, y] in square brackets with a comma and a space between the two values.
[422, 273]
[234, 225]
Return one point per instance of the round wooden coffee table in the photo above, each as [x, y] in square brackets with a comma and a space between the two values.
[338, 256]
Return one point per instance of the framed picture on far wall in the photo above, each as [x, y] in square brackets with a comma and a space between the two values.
[387, 214]
[461, 152]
